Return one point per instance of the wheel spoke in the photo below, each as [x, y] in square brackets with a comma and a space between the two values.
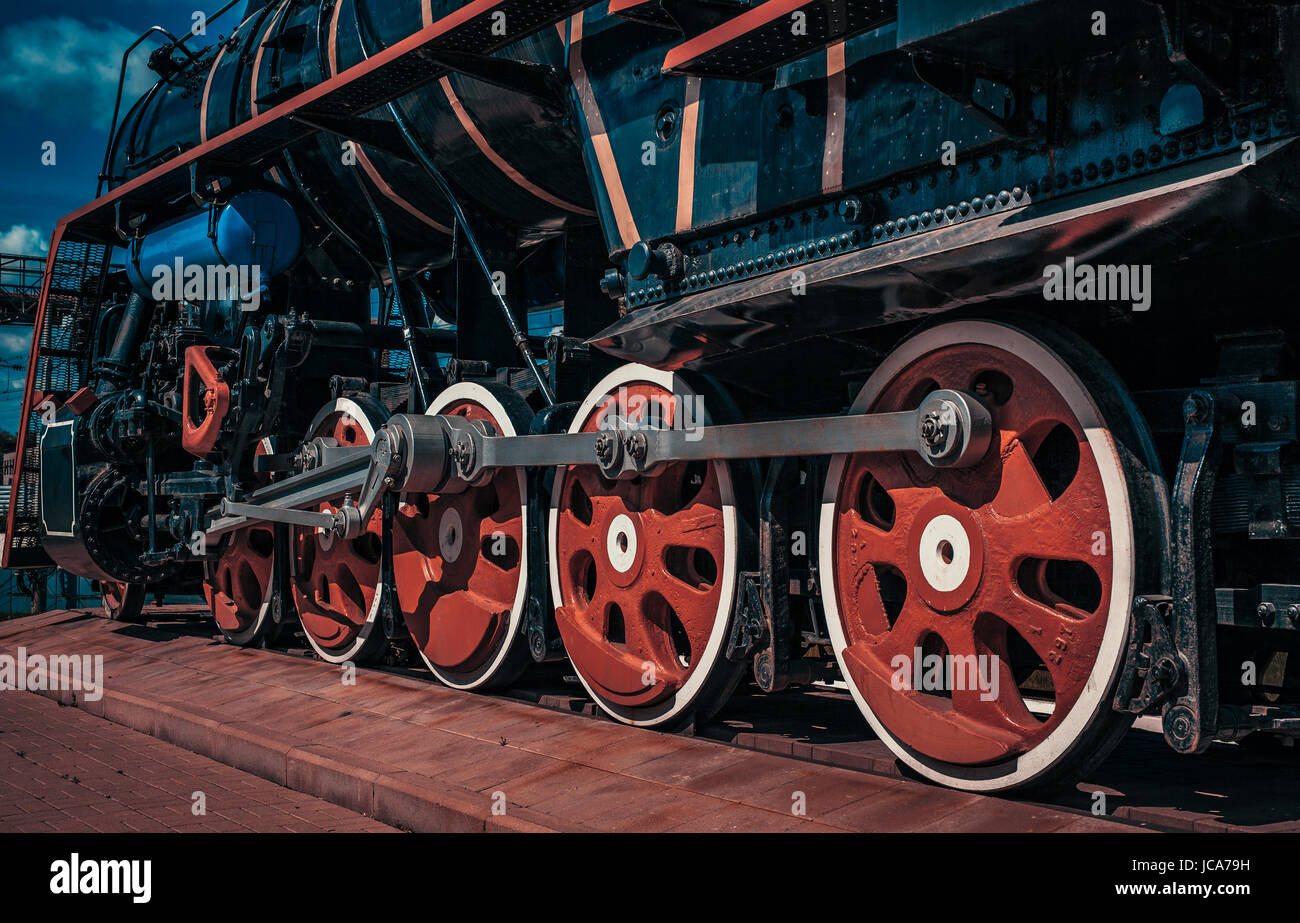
[984, 690]
[648, 637]
[1061, 639]
[692, 607]
[694, 528]
[1022, 489]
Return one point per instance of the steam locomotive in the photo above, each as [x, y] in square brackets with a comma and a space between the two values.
[936, 350]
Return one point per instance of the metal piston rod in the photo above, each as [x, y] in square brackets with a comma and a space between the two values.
[447, 454]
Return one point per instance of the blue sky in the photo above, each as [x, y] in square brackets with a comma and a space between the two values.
[59, 63]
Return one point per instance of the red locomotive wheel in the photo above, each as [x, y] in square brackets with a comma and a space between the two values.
[237, 580]
[644, 571]
[460, 561]
[980, 615]
[238, 584]
[121, 602]
[336, 581]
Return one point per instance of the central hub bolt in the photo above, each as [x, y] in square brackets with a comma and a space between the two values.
[946, 548]
[451, 535]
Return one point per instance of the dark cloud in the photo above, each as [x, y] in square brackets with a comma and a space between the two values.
[67, 69]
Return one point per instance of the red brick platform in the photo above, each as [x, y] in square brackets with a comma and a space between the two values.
[64, 771]
[422, 757]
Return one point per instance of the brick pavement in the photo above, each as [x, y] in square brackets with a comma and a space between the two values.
[63, 770]
[424, 757]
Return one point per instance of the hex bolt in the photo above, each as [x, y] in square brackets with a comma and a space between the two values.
[1180, 727]
[462, 452]
[667, 124]
[930, 428]
[850, 210]
[1267, 614]
[605, 448]
[1293, 613]
[637, 446]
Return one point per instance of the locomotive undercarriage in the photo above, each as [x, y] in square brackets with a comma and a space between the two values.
[350, 533]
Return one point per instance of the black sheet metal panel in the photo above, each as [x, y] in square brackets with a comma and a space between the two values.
[1170, 217]
[58, 480]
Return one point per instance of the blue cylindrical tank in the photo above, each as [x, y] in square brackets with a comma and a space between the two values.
[256, 233]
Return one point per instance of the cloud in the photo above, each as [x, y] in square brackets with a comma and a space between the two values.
[15, 345]
[23, 241]
[67, 69]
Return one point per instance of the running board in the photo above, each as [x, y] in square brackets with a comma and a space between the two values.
[751, 46]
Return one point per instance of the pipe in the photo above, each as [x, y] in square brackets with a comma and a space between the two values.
[417, 370]
[519, 337]
[114, 368]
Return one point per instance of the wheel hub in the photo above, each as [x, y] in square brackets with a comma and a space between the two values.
[623, 549]
[948, 550]
[451, 535]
